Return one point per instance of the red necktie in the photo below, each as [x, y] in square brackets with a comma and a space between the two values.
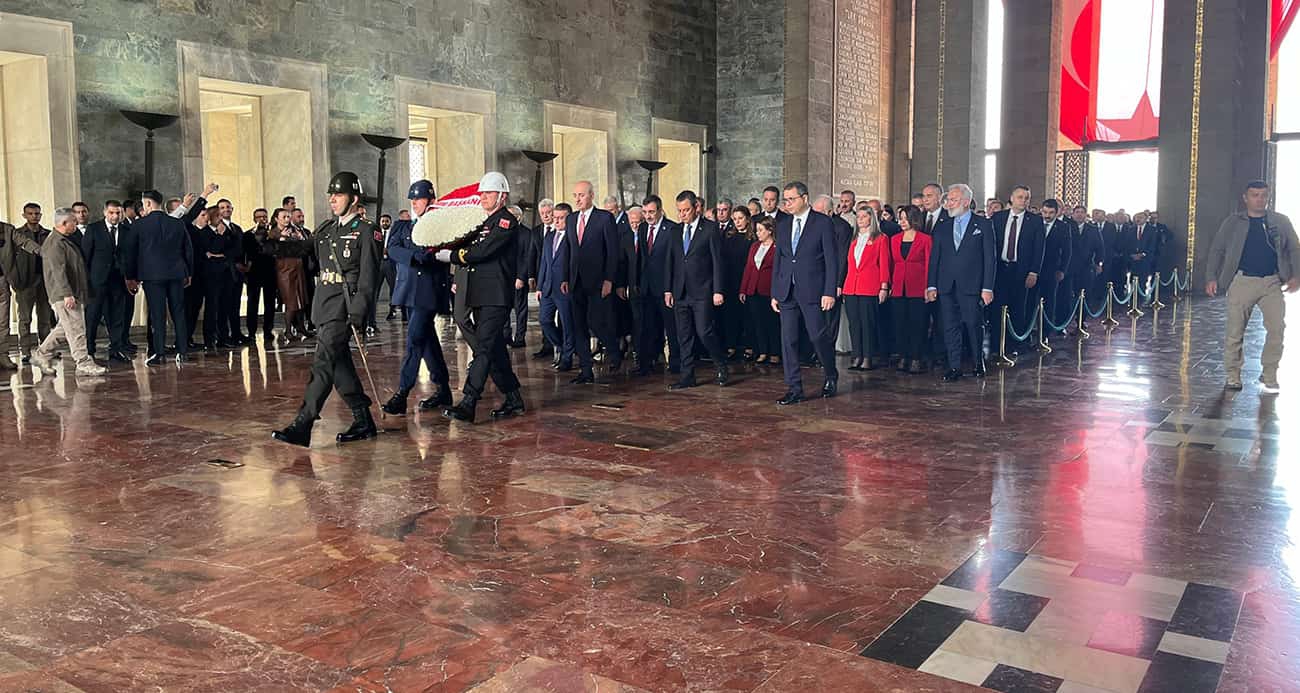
[1011, 239]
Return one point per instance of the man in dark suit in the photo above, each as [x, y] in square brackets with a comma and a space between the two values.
[963, 268]
[553, 290]
[108, 296]
[1141, 245]
[658, 324]
[593, 265]
[771, 206]
[423, 290]
[932, 199]
[1087, 257]
[1163, 238]
[1113, 267]
[1019, 235]
[526, 267]
[215, 254]
[694, 271]
[1058, 243]
[260, 275]
[239, 270]
[163, 259]
[627, 282]
[804, 284]
[538, 234]
[843, 230]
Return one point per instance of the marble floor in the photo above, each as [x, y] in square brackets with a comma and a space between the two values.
[1101, 518]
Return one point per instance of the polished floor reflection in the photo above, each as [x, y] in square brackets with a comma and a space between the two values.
[1101, 518]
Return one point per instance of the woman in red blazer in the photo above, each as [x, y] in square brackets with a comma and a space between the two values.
[911, 255]
[756, 294]
[866, 288]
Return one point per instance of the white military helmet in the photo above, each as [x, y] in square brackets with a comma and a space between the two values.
[494, 181]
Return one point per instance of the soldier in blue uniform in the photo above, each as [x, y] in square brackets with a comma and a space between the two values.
[487, 279]
[423, 288]
[344, 246]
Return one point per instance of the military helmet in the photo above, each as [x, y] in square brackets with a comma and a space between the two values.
[493, 181]
[345, 182]
[421, 190]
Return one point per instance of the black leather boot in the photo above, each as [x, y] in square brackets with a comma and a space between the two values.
[464, 411]
[297, 433]
[513, 406]
[396, 405]
[439, 400]
[363, 427]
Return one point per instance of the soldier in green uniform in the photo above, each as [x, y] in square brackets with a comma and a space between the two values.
[344, 247]
[486, 284]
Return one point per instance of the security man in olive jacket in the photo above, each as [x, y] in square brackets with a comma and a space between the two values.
[489, 272]
[349, 270]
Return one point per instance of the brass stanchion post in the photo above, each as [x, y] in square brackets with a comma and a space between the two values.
[1110, 320]
[1043, 346]
[1083, 313]
[1002, 359]
[1155, 299]
[1133, 299]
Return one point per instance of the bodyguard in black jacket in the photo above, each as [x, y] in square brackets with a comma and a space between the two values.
[105, 264]
[162, 258]
[695, 285]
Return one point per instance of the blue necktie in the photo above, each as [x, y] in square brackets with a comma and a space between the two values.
[958, 231]
[794, 238]
[686, 239]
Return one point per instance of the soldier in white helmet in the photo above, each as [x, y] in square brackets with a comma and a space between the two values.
[488, 271]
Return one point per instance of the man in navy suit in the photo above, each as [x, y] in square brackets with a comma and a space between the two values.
[1058, 244]
[932, 206]
[657, 320]
[108, 297]
[592, 236]
[553, 289]
[163, 259]
[1141, 243]
[694, 272]
[771, 205]
[804, 283]
[1020, 241]
[963, 267]
[423, 288]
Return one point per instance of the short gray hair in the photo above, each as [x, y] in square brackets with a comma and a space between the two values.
[726, 201]
[826, 200]
[62, 214]
[966, 193]
[546, 203]
[517, 211]
[612, 199]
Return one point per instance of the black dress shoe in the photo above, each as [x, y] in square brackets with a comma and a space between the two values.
[790, 397]
[396, 405]
[856, 365]
[464, 411]
[363, 427]
[563, 367]
[153, 360]
[614, 368]
[297, 433]
[953, 375]
[441, 399]
[227, 344]
[118, 357]
[518, 344]
[683, 384]
[643, 372]
[209, 348]
[830, 387]
[182, 358]
[512, 406]
[130, 348]
[544, 352]
[585, 378]
[722, 377]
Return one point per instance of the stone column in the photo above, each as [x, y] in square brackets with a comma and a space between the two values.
[949, 101]
[1031, 98]
[1212, 126]
[751, 96]
[904, 20]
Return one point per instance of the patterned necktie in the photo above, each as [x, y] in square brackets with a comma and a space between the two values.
[794, 238]
[1011, 239]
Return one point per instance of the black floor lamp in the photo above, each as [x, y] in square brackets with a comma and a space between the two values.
[538, 158]
[383, 143]
[150, 122]
[650, 167]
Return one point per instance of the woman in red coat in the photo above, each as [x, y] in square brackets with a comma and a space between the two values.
[866, 288]
[911, 255]
[756, 295]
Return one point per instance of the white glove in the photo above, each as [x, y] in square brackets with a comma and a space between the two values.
[443, 255]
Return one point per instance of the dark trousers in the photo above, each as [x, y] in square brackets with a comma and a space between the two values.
[833, 317]
[520, 322]
[1048, 289]
[694, 321]
[167, 296]
[230, 309]
[491, 358]
[864, 326]
[763, 324]
[560, 336]
[422, 345]
[963, 316]
[332, 367]
[109, 305]
[216, 297]
[1009, 290]
[593, 314]
[911, 323]
[265, 288]
[818, 331]
[1066, 297]
[194, 295]
[658, 325]
[733, 319]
